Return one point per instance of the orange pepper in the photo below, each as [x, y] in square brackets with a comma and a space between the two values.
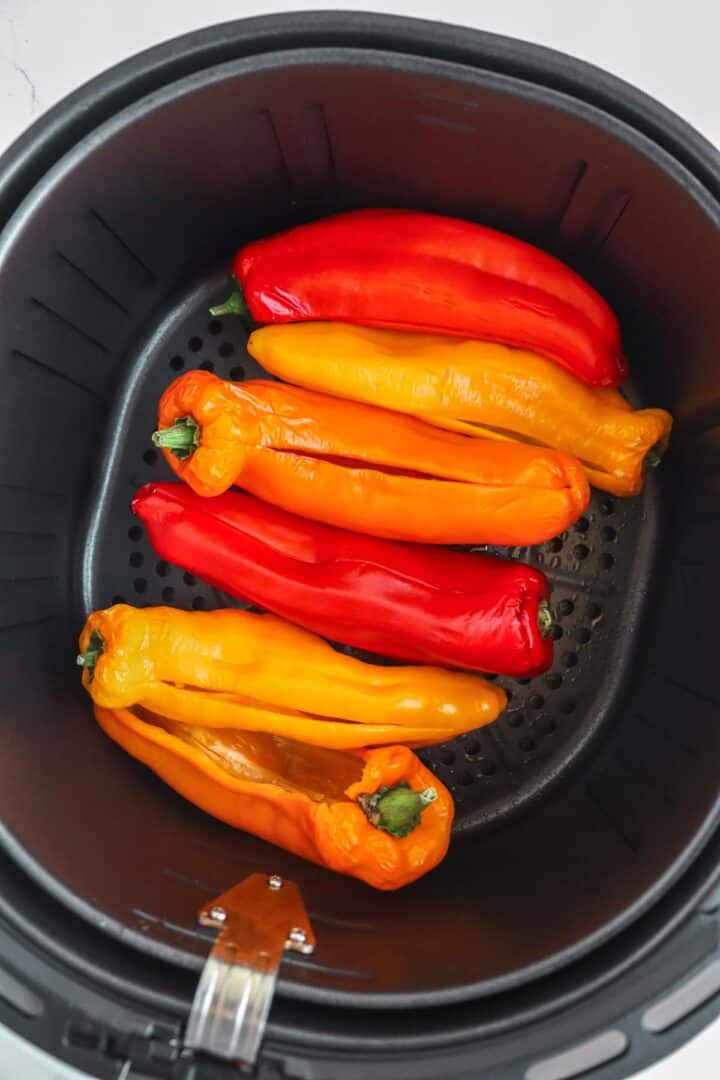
[477, 388]
[241, 670]
[386, 838]
[364, 468]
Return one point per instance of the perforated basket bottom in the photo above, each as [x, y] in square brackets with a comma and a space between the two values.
[492, 773]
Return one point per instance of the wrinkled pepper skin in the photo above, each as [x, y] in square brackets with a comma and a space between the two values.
[333, 832]
[253, 672]
[364, 468]
[410, 602]
[407, 270]
[474, 387]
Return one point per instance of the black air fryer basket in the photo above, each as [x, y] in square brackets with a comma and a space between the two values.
[574, 926]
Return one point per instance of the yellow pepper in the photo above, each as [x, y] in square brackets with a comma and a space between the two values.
[257, 673]
[473, 387]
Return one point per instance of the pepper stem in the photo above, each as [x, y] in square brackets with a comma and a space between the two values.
[397, 809]
[234, 305]
[182, 438]
[545, 618]
[654, 456]
[89, 658]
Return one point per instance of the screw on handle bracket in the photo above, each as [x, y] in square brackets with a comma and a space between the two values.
[257, 921]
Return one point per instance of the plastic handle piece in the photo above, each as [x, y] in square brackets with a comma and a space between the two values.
[258, 920]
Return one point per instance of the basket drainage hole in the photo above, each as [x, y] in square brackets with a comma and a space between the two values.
[215, 326]
[594, 611]
[207, 365]
[118, 599]
[555, 545]
[527, 744]
[199, 603]
[581, 551]
[189, 579]
[553, 680]
[136, 559]
[150, 457]
[168, 594]
[606, 561]
[582, 635]
[135, 533]
[565, 607]
[608, 534]
[582, 525]
[446, 757]
[226, 349]
[472, 748]
[488, 768]
[556, 633]
[567, 707]
[237, 373]
[162, 569]
[536, 701]
[546, 725]
[570, 659]
[515, 719]
[140, 585]
[607, 507]
[177, 363]
[195, 344]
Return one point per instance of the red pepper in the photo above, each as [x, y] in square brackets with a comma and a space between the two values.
[400, 600]
[412, 271]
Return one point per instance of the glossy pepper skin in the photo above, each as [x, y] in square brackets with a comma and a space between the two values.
[474, 387]
[250, 672]
[407, 270]
[245, 784]
[364, 468]
[407, 601]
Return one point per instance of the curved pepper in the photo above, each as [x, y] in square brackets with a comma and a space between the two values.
[413, 271]
[407, 601]
[237, 669]
[378, 815]
[477, 388]
[364, 468]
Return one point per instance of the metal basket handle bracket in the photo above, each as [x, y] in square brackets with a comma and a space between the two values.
[258, 920]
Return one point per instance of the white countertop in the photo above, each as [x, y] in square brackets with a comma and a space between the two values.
[669, 49]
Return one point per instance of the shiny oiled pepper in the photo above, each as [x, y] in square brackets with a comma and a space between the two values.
[414, 271]
[378, 815]
[474, 387]
[251, 672]
[408, 601]
[364, 468]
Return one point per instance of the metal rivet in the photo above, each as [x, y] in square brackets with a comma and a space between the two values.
[275, 882]
[219, 914]
[297, 936]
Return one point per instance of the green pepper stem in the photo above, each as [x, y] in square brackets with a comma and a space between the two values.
[182, 438]
[234, 305]
[397, 809]
[654, 456]
[89, 658]
[545, 618]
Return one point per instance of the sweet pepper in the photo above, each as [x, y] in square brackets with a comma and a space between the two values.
[408, 270]
[378, 815]
[475, 387]
[253, 672]
[364, 468]
[407, 601]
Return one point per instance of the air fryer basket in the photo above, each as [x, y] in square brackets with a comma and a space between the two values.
[582, 809]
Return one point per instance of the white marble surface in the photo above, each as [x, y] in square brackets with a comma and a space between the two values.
[669, 49]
